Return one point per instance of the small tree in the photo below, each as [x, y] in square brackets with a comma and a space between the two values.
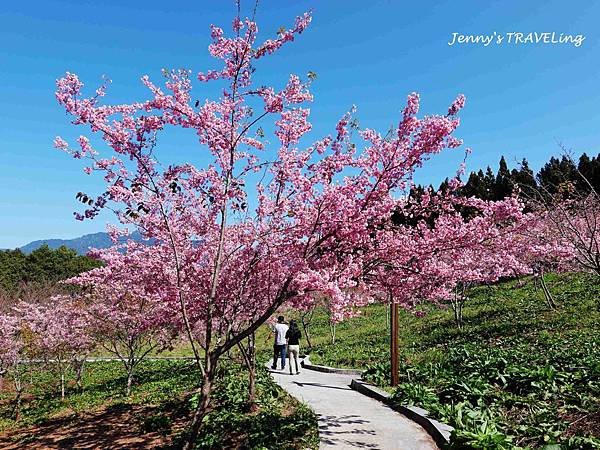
[12, 353]
[568, 208]
[576, 223]
[224, 265]
[126, 318]
[436, 251]
[306, 316]
[59, 334]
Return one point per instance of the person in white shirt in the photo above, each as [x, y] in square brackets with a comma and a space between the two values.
[279, 346]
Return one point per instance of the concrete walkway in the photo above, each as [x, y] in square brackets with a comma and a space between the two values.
[349, 420]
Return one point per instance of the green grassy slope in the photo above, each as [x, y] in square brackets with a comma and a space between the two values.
[518, 375]
[157, 412]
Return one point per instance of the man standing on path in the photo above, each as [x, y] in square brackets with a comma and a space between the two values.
[280, 342]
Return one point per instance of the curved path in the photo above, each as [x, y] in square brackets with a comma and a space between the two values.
[350, 420]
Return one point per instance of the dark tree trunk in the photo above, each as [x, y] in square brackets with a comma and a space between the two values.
[305, 320]
[394, 342]
[17, 409]
[79, 365]
[203, 404]
[547, 295]
[249, 357]
[252, 373]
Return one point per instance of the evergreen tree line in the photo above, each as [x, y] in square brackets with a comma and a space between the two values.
[557, 175]
[42, 266]
[45, 265]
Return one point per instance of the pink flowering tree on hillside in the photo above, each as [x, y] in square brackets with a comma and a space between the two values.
[59, 333]
[569, 224]
[574, 223]
[448, 249]
[552, 249]
[223, 261]
[12, 353]
[128, 318]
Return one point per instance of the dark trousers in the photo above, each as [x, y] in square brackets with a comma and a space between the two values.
[279, 350]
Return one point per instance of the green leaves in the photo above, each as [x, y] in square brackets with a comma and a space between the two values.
[83, 198]
[274, 424]
[517, 376]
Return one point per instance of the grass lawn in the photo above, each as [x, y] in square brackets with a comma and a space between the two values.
[156, 414]
[518, 375]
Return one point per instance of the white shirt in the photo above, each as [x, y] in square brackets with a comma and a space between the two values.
[280, 330]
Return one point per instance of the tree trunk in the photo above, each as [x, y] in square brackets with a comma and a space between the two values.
[17, 409]
[387, 320]
[457, 304]
[129, 381]
[252, 373]
[203, 404]
[521, 282]
[547, 295]
[308, 341]
[62, 385]
[19, 391]
[305, 321]
[332, 332]
[79, 372]
[457, 309]
[394, 343]
[249, 357]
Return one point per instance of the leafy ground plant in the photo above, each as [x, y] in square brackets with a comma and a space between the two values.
[156, 413]
[280, 421]
[518, 374]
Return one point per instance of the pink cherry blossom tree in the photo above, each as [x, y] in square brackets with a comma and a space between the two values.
[574, 223]
[59, 333]
[127, 318]
[12, 353]
[224, 261]
[568, 225]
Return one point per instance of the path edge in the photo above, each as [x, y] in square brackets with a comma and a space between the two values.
[305, 363]
[440, 432]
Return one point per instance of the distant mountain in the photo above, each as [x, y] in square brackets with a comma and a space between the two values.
[81, 244]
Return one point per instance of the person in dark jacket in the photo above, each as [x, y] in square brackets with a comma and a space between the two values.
[293, 336]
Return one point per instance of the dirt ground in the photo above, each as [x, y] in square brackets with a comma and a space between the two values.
[116, 427]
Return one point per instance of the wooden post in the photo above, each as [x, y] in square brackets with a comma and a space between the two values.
[394, 344]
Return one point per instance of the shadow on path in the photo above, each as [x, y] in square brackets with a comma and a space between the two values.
[345, 430]
[322, 386]
[350, 420]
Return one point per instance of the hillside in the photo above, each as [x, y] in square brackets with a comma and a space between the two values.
[518, 375]
[81, 244]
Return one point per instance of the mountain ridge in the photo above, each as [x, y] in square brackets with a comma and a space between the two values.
[80, 244]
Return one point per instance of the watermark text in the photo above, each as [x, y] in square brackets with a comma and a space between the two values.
[517, 38]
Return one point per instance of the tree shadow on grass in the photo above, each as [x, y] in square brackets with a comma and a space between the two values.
[268, 428]
[115, 427]
[173, 379]
[119, 425]
[446, 333]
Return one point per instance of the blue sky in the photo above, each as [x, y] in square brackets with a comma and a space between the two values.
[521, 99]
